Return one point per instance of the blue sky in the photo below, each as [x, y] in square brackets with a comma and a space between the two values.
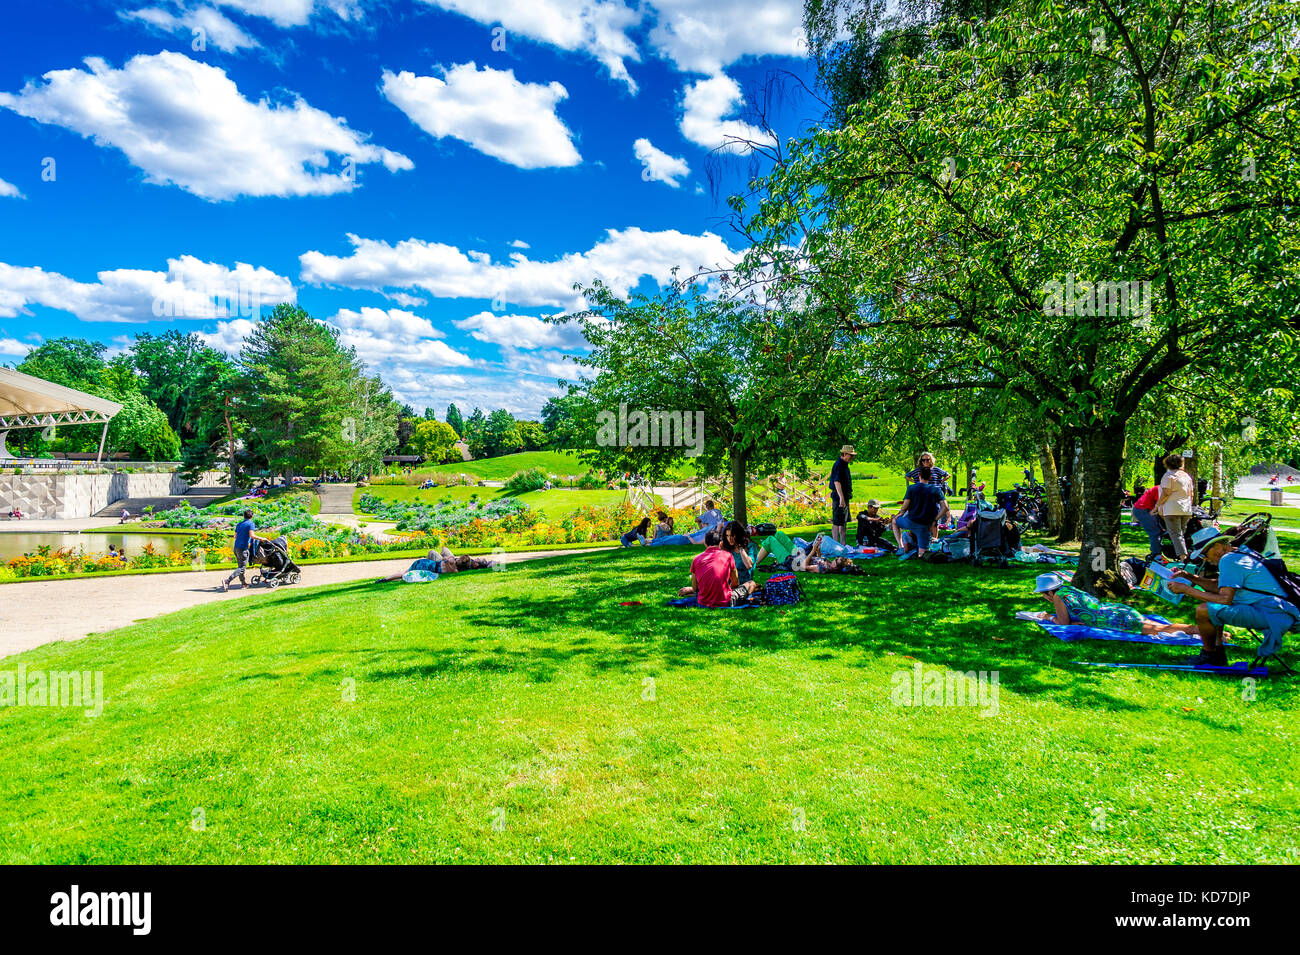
[431, 176]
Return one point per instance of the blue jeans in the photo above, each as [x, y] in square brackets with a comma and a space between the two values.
[1271, 621]
[671, 540]
[922, 531]
[1151, 524]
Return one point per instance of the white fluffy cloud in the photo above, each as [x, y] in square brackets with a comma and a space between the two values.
[621, 259]
[9, 191]
[186, 123]
[12, 346]
[387, 337]
[489, 109]
[594, 27]
[520, 331]
[696, 36]
[703, 36]
[657, 165]
[190, 288]
[216, 27]
[706, 104]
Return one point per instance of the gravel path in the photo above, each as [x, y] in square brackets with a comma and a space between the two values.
[39, 612]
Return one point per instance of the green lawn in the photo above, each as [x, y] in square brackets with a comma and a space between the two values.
[499, 469]
[555, 503]
[525, 716]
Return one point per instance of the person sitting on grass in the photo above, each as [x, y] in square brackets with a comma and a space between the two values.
[872, 524]
[664, 528]
[1246, 594]
[637, 533]
[710, 516]
[918, 513]
[736, 542]
[714, 581]
[1073, 607]
[442, 562]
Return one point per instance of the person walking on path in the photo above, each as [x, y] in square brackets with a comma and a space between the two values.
[244, 534]
[841, 485]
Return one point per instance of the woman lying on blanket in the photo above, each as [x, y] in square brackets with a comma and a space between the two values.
[444, 562]
[1078, 608]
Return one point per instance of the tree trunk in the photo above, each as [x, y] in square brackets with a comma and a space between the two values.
[1052, 484]
[739, 459]
[1216, 478]
[1192, 465]
[996, 465]
[1102, 473]
[1070, 528]
[230, 448]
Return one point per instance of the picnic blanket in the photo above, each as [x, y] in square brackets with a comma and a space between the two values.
[1073, 632]
[1237, 669]
[692, 602]
[419, 577]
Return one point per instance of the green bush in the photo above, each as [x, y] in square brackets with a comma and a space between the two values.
[522, 482]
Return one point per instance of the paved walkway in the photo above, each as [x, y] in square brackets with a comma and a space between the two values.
[336, 499]
[39, 612]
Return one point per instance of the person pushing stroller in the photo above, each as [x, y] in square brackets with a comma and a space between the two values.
[245, 532]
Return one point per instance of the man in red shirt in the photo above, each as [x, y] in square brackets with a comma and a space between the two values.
[713, 576]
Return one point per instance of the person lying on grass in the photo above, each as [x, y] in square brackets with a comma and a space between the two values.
[443, 562]
[714, 582]
[637, 533]
[816, 562]
[1078, 608]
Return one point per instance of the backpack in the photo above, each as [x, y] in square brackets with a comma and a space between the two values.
[762, 530]
[957, 548]
[782, 590]
[1287, 580]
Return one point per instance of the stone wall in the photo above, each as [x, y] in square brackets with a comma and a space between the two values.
[65, 496]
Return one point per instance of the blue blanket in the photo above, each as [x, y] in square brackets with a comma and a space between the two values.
[1074, 632]
[692, 602]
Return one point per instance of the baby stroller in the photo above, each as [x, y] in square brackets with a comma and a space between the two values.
[992, 539]
[275, 566]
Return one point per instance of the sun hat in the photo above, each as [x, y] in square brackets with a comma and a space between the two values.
[873, 503]
[1204, 539]
[1046, 582]
[847, 449]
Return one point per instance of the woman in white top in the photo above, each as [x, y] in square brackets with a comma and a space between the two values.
[1174, 503]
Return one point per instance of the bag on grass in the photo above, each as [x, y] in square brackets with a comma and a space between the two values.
[762, 530]
[957, 548]
[782, 590]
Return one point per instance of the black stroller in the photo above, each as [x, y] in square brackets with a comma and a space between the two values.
[993, 538]
[273, 563]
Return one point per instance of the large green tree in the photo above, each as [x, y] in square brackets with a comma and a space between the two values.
[1078, 203]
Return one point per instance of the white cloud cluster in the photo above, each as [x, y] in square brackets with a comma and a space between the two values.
[659, 166]
[597, 27]
[190, 288]
[520, 331]
[13, 347]
[212, 25]
[9, 191]
[186, 123]
[489, 109]
[696, 36]
[706, 104]
[621, 259]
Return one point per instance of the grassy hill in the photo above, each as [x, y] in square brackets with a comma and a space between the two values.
[526, 716]
[499, 469]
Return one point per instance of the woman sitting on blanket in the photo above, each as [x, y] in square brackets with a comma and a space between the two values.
[736, 542]
[444, 562]
[637, 533]
[1078, 608]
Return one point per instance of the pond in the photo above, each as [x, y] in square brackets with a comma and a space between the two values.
[15, 545]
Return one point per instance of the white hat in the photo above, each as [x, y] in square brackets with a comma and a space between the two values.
[1048, 582]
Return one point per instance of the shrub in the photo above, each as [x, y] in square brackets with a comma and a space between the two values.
[521, 482]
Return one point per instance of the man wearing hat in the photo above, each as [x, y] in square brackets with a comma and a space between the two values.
[1245, 595]
[872, 525]
[841, 485]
